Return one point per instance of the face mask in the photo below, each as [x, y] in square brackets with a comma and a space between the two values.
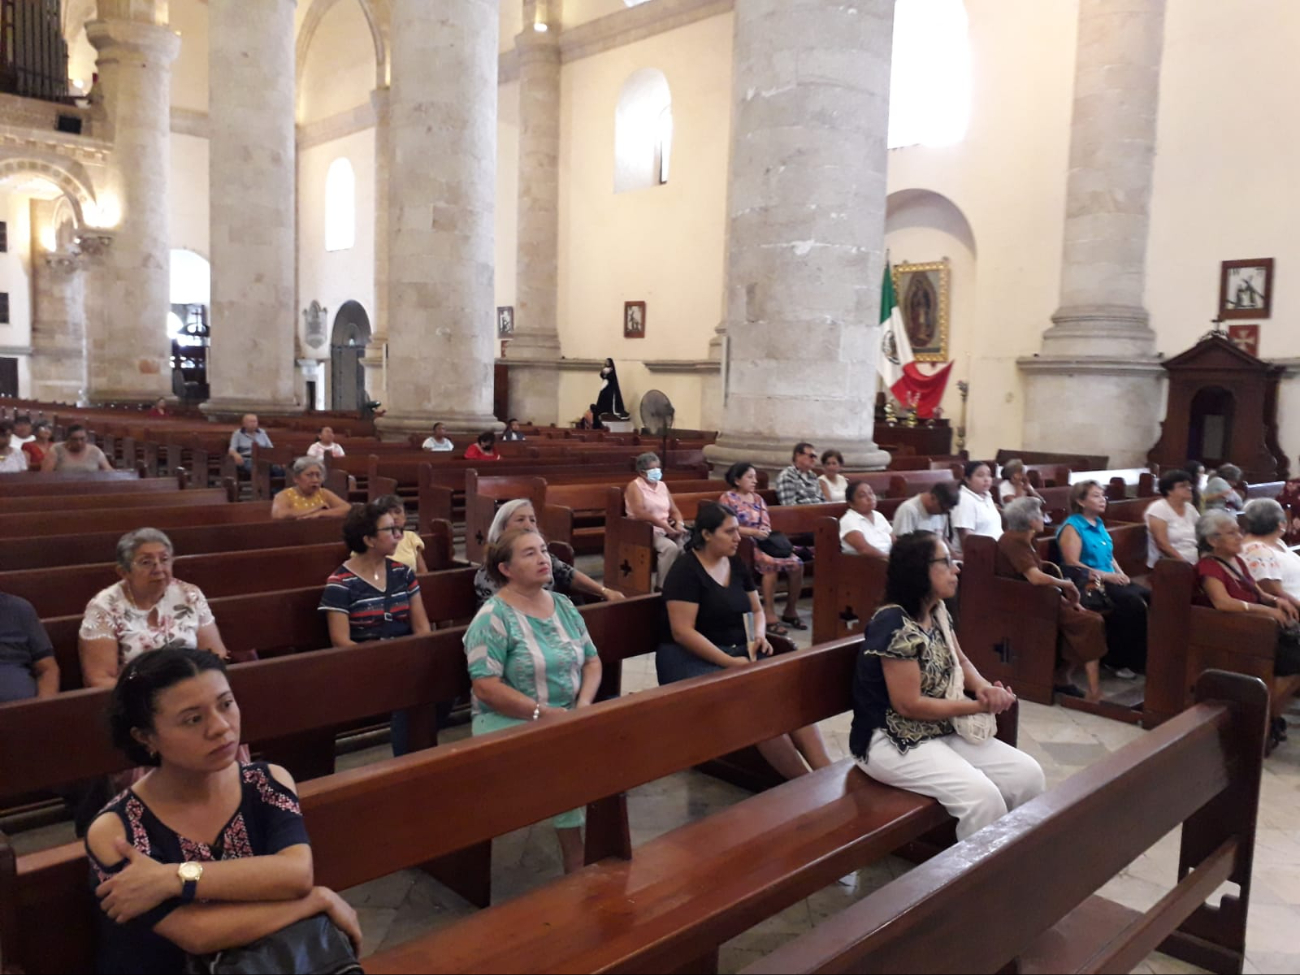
[654, 475]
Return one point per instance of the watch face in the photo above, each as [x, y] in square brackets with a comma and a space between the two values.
[190, 871]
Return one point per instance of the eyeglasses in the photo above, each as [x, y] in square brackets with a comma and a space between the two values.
[807, 454]
[397, 531]
[151, 564]
[947, 560]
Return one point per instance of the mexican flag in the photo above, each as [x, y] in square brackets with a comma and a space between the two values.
[902, 375]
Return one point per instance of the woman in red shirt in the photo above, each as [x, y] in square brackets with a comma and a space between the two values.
[484, 448]
[36, 449]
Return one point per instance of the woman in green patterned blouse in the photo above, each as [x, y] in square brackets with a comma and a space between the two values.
[530, 655]
[903, 732]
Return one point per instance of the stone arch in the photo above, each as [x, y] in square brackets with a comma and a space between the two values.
[66, 174]
[311, 22]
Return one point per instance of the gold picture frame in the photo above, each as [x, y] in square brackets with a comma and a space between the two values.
[923, 297]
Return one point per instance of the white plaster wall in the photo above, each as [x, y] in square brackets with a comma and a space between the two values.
[580, 11]
[1227, 154]
[189, 18]
[16, 279]
[664, 245]
[339, 73]
[333, 277]
[188, 205]
[512, 22]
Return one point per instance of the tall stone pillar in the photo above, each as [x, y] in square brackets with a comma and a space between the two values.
[58, 363]
[374, 360]
[806, 225]
[252, 188]
[443, 120]
[1100, 349]
[535, 345]
[136, 49]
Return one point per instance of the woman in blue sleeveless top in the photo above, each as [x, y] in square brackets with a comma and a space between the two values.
[1084, 541]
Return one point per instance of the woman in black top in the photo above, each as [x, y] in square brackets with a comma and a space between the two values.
[204, 853]
[708, 593]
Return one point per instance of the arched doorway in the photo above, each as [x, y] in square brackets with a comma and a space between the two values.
[348, 344]
[1209, 433]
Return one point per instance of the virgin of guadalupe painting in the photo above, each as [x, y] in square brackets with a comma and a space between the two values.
[923, 302]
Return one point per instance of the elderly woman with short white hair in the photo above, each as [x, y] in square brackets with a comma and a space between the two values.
[1227, 585]
[648, 499]
[1082, 633]
[565, 579]
[1272, 564]
[146, 609]
[306, 498]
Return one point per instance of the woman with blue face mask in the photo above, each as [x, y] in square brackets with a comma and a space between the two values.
[648, 499]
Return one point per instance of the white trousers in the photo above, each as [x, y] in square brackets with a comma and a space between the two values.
[977, 784]
[666, 552]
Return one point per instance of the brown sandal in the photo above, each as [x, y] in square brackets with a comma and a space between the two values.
[776, 629]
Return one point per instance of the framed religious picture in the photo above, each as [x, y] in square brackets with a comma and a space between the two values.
[923, 302]
[1246, 288]
[1245, 337]
[505, 321]
[634, 319]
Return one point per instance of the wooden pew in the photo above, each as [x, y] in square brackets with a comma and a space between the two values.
[1077, 462]
[139, 499]
[65, 590]
[1021, 895]
[67, 485]
[77, 549]
[629, 544]
[30, 524]
[1183, 640]
[1008, 627]
[910, 483]
[277, 622]
[850, 588]
[416, 670]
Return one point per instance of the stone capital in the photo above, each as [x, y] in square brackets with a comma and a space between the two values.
[63, 262]
[95, 244]
[113, 38]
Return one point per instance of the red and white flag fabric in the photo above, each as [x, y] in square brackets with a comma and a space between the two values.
[899, 369]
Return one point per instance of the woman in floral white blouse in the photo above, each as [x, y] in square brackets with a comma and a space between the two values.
[147, 610]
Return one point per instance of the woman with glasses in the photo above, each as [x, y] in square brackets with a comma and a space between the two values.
[372, 596]
[146, 609]
[1227, 585]
[903, 733]
[76, 453]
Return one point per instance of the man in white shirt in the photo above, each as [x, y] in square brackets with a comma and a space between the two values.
[438, 442]
[928, 512]
[22, 431]
[12, 458]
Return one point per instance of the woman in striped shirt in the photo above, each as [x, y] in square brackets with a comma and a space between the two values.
[371, 596]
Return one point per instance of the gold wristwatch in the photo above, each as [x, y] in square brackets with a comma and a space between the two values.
[190, 874]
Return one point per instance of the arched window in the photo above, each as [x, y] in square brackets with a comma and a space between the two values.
[643, 132]
[930, 77]
[340, 206]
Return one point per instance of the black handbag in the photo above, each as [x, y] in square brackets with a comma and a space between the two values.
[1092, 594]
[777, 545]
[312, 946]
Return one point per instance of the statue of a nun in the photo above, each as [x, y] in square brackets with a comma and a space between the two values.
[610, 399]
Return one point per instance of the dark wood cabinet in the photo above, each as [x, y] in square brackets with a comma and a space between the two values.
[936, 440]
[1222, 407]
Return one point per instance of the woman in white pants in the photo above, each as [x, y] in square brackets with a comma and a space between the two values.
[903, 732]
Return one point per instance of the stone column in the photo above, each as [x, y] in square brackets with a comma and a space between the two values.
[136, 49]
[535, 345]
[373, 362]
[252, 185]
[443, 173]
[58, 363]
[1100, 349]
[806, 225]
